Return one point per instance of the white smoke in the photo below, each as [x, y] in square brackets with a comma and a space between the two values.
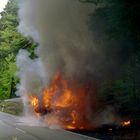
[31, 74]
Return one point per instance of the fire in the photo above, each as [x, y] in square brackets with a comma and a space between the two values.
[34, 101]
[66, 101]
[74, 117]
[126, 123]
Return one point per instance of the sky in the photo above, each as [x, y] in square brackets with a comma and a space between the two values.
[2, 4]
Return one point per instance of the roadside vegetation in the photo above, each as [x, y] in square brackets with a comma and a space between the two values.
[10, 43]
[14, 108]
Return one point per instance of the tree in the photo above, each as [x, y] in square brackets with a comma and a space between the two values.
[10, 43]
[115, 25]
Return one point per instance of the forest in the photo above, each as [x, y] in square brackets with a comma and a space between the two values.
[118, 21]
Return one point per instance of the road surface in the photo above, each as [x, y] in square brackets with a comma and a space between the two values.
[11, 129]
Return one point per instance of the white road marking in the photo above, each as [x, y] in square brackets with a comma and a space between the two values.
[21, 130]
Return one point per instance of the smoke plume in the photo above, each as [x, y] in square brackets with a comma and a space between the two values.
[65, 44]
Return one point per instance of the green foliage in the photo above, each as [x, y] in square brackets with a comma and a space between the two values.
[10, 43]
[116, 24]
[123, 93]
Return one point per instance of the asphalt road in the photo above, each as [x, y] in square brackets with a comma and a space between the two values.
[11, 129]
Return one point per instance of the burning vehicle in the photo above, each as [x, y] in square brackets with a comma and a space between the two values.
[62, 82]
[67, 107]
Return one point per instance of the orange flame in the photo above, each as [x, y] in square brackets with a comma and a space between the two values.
[126, 123]
[34, 101]
[74, 117]
[67, 102]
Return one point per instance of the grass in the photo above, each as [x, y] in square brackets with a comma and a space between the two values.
[14, 108]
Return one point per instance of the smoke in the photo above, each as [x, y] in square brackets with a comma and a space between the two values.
[31, 73]
[106, 115]
[60, 28]
[65, 44]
